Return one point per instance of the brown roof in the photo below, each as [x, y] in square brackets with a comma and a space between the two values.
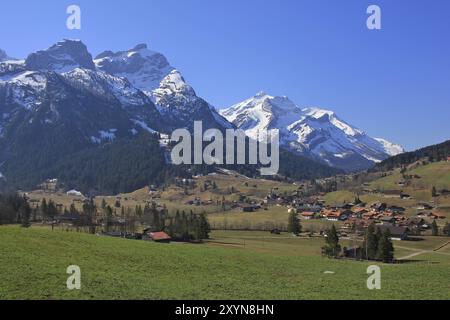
[393, 192]
[159, 236]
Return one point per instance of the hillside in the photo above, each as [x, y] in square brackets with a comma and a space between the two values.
[125, 269]
[416, 181]
[437, 152]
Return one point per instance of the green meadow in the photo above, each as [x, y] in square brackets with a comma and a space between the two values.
[238, 265]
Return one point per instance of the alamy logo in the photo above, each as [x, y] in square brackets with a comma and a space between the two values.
[374, 20]
[73, 22]
[74, 280]
[374, 280]
[213, 153]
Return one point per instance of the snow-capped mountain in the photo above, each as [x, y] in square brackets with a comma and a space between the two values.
[151, 73]
[61, 57]
[57, 105]
[145, 69]
[314, 132]
[61, 112]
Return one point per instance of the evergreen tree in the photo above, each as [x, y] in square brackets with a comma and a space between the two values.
[25, 213]
[204, 226]
[385, 248]
[52, 210]
[332, 248]
[434, 229]
[108, 212]
[447, 230]
[294, 224]
[371, 242]
[433, 192]
[43, 208]
[89, 213]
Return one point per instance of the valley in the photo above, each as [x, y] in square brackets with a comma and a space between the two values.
[87, 179]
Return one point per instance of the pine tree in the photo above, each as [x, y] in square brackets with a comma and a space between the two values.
[204, 227]
[25, 213]
[385, 251]
[108, 217]
[294, 224]
[434, 229]
[332, 248]
[52, 211]
[433, 192]
[89, 213]
[104, 204]
[447, 230]
[43, 208]
[371, 242]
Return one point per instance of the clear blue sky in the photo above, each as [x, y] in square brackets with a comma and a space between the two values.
[393, 83]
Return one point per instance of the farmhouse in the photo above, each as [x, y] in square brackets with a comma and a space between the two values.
[392, 193]
[337, 215]
[74, 193]
[160, 237]
[250, 208]
[308, 215]
[69, 218]
[397, 233]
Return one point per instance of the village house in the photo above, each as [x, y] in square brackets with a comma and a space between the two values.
[160, 237]
[250, 208]
[308, 215]
[397, 233]
[336, 215]
[379, 207]
[69, 218]
[75, 193]
[387, 220]
[439, 215]
[392, 193]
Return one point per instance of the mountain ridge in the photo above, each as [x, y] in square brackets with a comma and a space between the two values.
[314, 132]
[63, 117]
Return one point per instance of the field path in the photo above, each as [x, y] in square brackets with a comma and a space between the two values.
[419, 252]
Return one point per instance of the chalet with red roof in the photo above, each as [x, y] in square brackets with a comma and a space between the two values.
[161, 237]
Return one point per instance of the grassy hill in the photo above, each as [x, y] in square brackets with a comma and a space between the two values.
[418, 183]
[33, 266]
[435, 174]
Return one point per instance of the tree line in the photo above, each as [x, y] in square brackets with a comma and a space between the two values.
[15, 209]
[377, 246]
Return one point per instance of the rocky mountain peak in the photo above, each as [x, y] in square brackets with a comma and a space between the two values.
[145, 69]
[62, 57]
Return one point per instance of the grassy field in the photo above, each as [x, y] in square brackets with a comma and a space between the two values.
[233, 265]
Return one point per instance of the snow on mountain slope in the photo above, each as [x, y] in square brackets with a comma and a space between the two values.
[62, 57]
[107, 86]
[4, 56]
[263, 112]
[151, 73]
[24, 88]
[145, 69]
[178, 102]
[315, 132]
[391, 148]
